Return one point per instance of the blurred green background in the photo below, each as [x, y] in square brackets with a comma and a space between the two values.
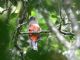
[15, 12]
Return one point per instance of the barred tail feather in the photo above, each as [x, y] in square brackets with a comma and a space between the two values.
[34, 45]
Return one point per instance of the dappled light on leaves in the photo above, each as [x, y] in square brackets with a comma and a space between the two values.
[59, 37]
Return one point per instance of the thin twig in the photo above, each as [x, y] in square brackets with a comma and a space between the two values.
[43, 31]
[4, 11]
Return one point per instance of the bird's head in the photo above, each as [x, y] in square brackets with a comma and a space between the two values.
[32, 19]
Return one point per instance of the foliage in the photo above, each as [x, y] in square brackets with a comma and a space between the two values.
[13, 13]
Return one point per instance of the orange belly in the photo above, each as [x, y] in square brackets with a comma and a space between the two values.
[34, 37]
[33, 28]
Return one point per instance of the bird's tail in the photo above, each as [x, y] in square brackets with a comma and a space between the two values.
[34, 45]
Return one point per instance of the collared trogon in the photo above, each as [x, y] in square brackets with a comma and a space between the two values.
[34, 28]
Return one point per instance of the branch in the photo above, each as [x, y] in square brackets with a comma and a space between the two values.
[63, 21]
[75, 27]
[43, 31]
[21, 19]
[4, 10]
[55, 30]
[19, 25]
[74, 23]
[66, 33]
[63, 32]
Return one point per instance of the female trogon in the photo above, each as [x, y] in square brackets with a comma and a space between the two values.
[34, 28]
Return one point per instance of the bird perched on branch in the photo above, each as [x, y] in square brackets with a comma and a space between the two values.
[33, 35]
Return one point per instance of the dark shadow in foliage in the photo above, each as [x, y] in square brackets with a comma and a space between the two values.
[4, 40]
[44, 55]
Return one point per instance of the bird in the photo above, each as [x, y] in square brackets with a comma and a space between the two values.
[33, 29]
